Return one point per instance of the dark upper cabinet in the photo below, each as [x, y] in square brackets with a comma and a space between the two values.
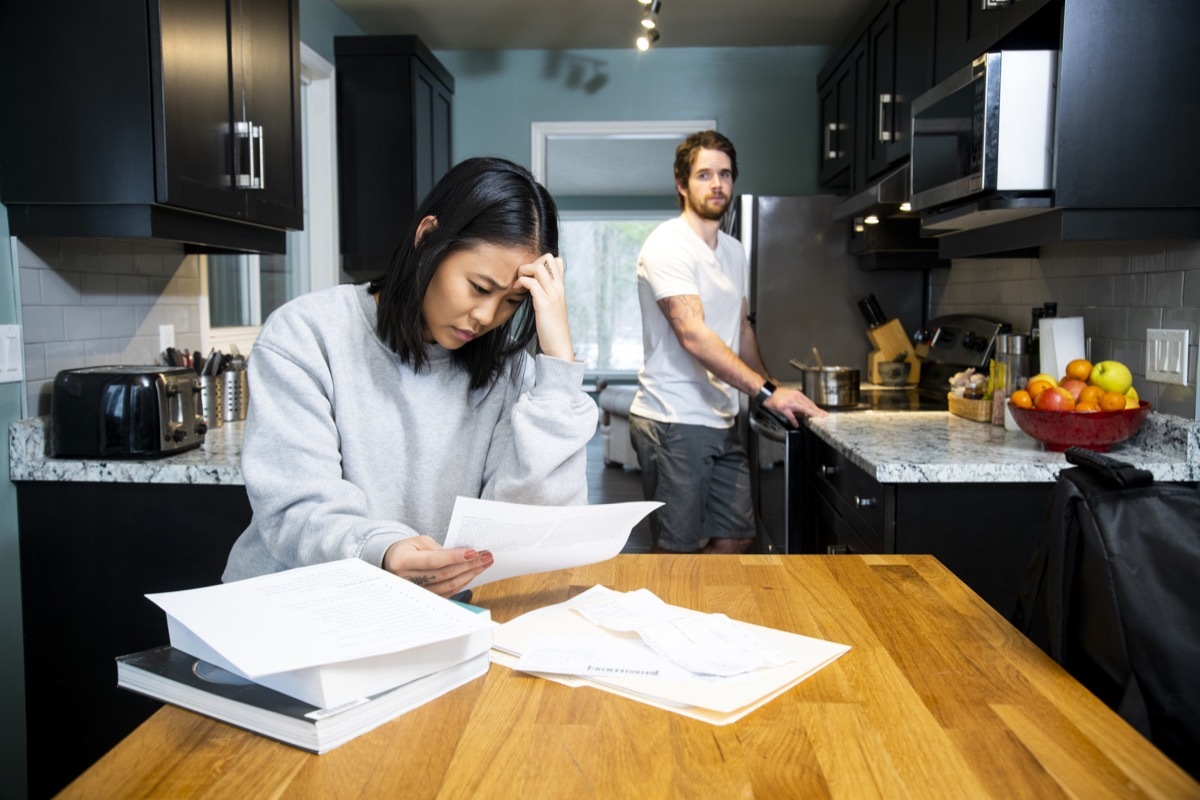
[173, 119]
[840, 114]
[394, 103]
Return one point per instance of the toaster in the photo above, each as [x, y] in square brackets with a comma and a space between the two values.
[125, 412]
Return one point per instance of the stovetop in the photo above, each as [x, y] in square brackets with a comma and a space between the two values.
[887, 398]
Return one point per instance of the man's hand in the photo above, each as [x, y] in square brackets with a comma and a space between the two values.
[792, 404]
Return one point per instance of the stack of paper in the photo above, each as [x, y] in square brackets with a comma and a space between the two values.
[704, 666]
[332, 636]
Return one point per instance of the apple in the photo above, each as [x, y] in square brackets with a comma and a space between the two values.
[1074, 386]
[1112, 376]
[1131, 398]
[1041, 376]
[1055, 398]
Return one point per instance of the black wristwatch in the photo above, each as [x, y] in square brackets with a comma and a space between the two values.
[766, 391]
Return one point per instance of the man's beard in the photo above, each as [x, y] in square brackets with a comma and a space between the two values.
[705, 211]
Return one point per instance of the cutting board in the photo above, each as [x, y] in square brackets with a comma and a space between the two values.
[890, 340]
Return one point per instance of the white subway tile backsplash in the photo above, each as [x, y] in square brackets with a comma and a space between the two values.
[59, 288]
[99, 290]
[119, 321]
[31, 286]
[82, 323]
[1119, 288]
[42, 324]
[64, 355]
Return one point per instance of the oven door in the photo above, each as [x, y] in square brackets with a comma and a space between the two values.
[776, 460]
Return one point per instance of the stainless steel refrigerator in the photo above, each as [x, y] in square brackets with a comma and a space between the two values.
[804, 292]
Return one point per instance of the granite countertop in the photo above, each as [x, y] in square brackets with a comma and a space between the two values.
[893, 447]
[938, 447]
[217, 461]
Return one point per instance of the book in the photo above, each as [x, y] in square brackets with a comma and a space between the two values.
[172, 676]
[326, 634]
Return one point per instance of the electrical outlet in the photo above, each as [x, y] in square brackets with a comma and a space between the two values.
[11, 369]
[1166, 355]
[166, 337]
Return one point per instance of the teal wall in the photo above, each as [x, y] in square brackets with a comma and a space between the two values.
[12, 654]
[763, 99]
[320, 21]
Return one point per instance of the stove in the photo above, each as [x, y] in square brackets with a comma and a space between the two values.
[948, 345]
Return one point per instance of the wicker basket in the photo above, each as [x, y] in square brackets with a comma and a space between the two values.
[975, 410]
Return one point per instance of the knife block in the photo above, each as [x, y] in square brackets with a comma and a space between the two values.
[890, 340]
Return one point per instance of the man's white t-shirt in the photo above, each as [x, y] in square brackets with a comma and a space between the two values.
[672, 385]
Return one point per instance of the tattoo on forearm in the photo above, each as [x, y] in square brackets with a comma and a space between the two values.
[421, 580]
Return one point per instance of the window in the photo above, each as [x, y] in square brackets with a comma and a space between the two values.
[613, 184]
[600, 251]
[239, 291]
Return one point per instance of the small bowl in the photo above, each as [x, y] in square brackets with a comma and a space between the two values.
[893, 373]
[1095, 430]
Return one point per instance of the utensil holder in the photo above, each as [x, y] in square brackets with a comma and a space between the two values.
[236, 393]
[212, 400]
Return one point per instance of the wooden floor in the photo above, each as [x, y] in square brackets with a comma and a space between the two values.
[616, 485]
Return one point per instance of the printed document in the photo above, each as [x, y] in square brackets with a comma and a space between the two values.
[524, 538]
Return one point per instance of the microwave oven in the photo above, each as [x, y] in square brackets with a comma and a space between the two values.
[988, 128]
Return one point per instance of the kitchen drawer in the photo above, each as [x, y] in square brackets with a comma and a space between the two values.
[836, 536]
[856, 495]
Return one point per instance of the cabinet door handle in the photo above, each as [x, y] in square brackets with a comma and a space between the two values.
[838, 550]
[252, 135]
[830, 129]
[827, 470]
[262, 162]
[885, 135]
[864, 502]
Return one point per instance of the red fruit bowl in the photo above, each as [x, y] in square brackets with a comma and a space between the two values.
[1095, 430]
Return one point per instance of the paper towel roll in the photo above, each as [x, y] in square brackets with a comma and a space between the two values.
[1061, 343]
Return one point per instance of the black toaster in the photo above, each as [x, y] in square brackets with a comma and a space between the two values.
[125, 412]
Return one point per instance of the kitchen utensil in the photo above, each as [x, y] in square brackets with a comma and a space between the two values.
[817, 357]
[797, 363]
[1095, 430]
[890, 340]
[870, 312]
[212, 397]
[236, 395]
[894, 373]
[831, 387]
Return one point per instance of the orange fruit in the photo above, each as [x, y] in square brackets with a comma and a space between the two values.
[1080, 368]
[1112, 401]
[1091, 394]
[1021, 399]
[1086, 406]
[1038, 386]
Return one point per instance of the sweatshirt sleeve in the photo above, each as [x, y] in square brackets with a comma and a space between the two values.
[538, 453]
[305, 511]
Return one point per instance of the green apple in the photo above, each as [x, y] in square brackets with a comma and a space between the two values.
[1112, 376]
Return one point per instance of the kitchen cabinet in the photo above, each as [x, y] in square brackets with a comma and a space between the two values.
[838, 104]
[170, 119]
[394, 104]
[985, 533]
[89, 554]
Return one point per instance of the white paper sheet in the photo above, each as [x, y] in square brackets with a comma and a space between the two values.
[524, 539]
[716, 701]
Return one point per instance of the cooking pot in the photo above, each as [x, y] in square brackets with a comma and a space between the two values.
[830, 387]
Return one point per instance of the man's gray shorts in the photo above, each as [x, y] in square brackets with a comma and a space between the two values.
[702, 477]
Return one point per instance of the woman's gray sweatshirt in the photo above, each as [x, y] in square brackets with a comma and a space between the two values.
[348, 450]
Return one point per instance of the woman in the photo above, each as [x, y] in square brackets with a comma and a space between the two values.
[375, 406]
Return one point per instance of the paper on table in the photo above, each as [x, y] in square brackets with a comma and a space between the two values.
[524, 539]
[327, 633]
[718, 702]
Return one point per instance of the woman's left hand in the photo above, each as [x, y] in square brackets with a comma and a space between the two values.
[546, 281]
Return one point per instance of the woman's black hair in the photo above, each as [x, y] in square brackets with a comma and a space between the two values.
[478, 201]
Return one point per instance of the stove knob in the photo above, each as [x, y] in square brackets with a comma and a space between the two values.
[201, 428]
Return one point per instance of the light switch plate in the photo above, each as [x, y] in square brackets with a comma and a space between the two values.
[1166, 355]
[11, 361]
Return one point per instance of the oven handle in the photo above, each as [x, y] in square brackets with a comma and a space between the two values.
[767, 428]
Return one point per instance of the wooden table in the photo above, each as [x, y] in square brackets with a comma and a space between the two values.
[939, 697]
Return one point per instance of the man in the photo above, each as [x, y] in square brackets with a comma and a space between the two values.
[700, 351]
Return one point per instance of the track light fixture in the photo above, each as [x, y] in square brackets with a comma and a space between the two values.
[650, 15]
[649, 34]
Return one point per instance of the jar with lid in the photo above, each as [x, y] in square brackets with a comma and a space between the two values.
[1015, 359]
